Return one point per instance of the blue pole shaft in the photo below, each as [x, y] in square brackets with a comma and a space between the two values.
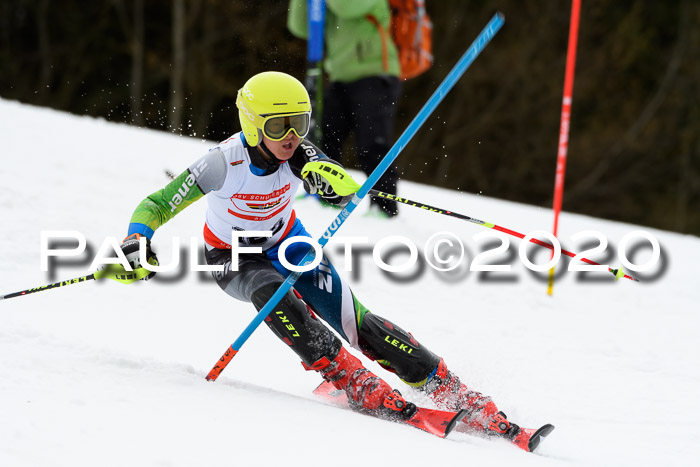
[316, 10]
[447, 84]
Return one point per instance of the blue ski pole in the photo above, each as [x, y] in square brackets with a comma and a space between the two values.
[447, 84]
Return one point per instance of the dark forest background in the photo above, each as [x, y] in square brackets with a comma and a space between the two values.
[634, 149]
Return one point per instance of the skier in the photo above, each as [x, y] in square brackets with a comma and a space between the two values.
[251, 180]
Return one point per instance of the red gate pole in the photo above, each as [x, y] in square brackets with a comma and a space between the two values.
[564, 124]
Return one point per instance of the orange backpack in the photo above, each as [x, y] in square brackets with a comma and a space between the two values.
[412, 32]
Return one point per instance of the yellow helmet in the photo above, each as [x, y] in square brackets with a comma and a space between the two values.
[267, 96]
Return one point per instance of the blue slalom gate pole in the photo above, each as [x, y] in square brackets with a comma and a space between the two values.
[316, 17]
[316, 10]
[489, 31]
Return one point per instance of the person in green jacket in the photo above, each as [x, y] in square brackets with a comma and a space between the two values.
[363, 67]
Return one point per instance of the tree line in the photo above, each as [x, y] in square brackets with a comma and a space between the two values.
[176, 65]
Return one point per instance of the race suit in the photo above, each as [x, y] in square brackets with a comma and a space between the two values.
[247, 192]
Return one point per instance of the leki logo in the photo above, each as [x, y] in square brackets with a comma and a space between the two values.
[287, 323]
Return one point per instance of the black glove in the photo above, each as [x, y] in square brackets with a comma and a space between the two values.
[315, 183]
[130, 248]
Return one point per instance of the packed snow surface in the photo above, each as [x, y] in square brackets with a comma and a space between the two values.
[101, 373]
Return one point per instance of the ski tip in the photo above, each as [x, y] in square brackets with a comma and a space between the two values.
[456, 419]
[537, 436]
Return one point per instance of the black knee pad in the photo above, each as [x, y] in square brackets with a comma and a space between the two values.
[393, 347]
[292, 321]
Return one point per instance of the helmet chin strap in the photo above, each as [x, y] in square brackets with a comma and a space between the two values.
[263, 158]
[269, 153]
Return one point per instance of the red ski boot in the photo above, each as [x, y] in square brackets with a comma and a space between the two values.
[448, 392]
[365, 390]
[483, 416]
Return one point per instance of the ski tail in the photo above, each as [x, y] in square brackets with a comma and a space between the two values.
[330, 393]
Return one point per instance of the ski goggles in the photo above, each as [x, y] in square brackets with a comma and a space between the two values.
[277, 127]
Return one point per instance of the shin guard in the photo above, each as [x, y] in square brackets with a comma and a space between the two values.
[396, 350]
[294, 323]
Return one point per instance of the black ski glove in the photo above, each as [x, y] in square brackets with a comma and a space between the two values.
[130, 248]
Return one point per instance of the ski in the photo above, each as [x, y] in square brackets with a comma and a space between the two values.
[437, 422]
[526, 439]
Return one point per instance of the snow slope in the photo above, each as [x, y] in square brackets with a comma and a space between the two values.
[112, 375]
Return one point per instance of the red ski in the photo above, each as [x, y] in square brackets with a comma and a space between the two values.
[536, 436]
[441, 423]
[437, 422]
[526, 439]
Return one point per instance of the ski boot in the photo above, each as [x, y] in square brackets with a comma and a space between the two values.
[448, 393]
[525, 438]
[364, 389]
